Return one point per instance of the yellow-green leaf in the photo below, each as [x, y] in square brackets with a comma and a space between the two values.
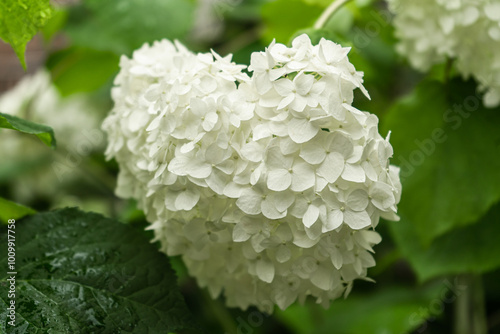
[20, 20]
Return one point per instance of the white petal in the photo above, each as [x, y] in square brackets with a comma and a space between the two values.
[357, 220]
[303, 177]
[186, 200]
[178, 165]
[199, 169]
[314, 232]
[322, 278]
[239, 233]
[137, 120]
[335, 219]
[332, 167]
[288, 146]
[284, 86]
[382, 195]
[301, 239]
[270, 211]
[249, 202]
[354, 173]
[286, 101]
[252, 151]
[313, 153]
[279, 179]
[233, 190]
[215, 154]
[357, 200]
[336, 258]
[265, 270]
[283, 254]
[301, 130]
[217, 181]
[311, 215]
[210, 121]
[303, 83]
[299, 103]
[282, 200]
[261, 131]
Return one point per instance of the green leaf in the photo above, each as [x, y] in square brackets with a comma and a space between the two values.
[122, 26]
[387, 310]
[469, 249]
[326, 3]
[322, 3]
[82, 273]
[45, 133]
[12, 210]
[70, 69]
[20, 20]
[55, 24]
[284, 17]
[448, 147]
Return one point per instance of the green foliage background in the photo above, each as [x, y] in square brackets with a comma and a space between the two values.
[441, 258]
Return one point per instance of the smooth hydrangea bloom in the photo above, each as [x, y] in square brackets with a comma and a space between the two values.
[270, 186]
[465, 30]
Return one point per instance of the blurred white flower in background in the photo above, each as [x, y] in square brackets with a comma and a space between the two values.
[76, 124]
[209, 19]
[270, 186]
[468, 31]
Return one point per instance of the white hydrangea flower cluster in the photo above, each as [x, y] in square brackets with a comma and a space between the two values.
[465, 30]
[268, 186]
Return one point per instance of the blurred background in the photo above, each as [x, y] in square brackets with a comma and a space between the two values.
[433, 275]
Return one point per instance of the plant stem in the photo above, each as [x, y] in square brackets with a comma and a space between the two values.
[221, 313]
[470, 315]
[325, 16]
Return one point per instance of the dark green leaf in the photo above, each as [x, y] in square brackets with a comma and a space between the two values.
[473, 248]
[20, 20]
[12, 210]
[82, 273]
[45, 133]
[448, 147]
[122, 26]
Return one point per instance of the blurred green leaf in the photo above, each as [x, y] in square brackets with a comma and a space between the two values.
[55, 24]
[79, 272]
[322, 3]
[242, 11]
[122, 26]
[20, 20]
[12, 210]
[13, 168]
[473, 248]
[81, 70]
[341, 22]
[284, 17]
[388, 310]
[45, 133]
[448, 147]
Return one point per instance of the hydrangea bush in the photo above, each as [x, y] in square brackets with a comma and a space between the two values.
[430, 31]
[269, 186]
